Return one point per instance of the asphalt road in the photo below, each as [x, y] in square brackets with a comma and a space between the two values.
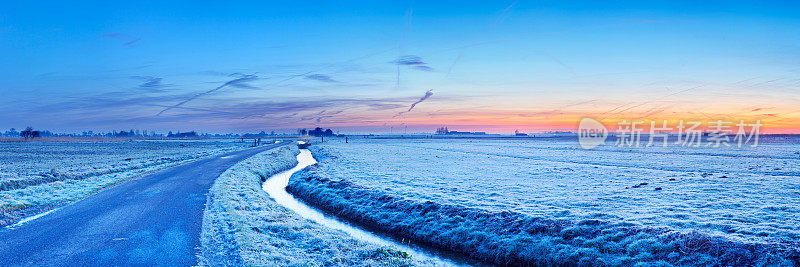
[155, 219]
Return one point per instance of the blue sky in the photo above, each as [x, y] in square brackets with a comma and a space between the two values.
[359, 66]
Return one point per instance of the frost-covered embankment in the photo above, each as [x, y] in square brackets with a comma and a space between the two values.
[519, 239]
[242, 225]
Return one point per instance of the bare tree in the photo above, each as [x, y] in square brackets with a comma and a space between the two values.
[28, 133]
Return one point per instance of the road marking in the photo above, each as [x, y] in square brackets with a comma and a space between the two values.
[31, 218]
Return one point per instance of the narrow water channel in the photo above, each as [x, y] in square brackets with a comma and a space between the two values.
[276, 187]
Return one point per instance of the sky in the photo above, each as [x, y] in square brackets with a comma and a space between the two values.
[395, 66]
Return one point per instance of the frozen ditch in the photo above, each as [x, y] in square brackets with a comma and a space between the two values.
[276, 188]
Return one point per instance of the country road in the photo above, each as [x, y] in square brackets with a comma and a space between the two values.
[155, 219]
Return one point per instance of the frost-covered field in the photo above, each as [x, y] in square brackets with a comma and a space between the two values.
[242, 225]
[670, 205]
[35, 175]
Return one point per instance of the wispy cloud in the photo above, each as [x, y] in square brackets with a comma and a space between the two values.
[127, 108]
[150, 83]
[383, 106]
[409, 60]
[423, 68]
[412, 61]
[427, 95]
[318, 117]
[132, 42]
[321, 78]
[310, 107]
[238, 82]
[125, 38]
[503, 14]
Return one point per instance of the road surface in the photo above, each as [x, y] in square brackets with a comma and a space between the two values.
[155, 219]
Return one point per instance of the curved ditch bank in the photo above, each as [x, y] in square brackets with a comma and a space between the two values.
[244, 226]
[275, 186]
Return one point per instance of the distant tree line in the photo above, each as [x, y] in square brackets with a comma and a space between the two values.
[30, 133]
[316, 132]
[261, 134]
[182, 135]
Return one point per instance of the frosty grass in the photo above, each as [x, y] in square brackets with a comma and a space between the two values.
[548, 202]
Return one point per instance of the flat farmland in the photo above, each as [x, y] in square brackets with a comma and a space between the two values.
[42, 173]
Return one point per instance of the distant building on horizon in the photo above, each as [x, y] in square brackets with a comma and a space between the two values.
[445, 131]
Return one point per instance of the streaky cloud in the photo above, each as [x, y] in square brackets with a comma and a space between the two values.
[409, 60]
[125, 38]
[427, 95]
[234, 82]
[132, 42]
[412, 61]
[318, 117]
[321, 78]
[423, 68]
[149, 82]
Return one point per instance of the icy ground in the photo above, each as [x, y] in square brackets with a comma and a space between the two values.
[750, 194]
[39, 174]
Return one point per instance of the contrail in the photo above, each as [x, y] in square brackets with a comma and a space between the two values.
[129, 40]
[401, 47]
[455, 61]
[328, 66]
[428, 94]
[243, 79]
[132, 42]
[605, 114]
[503, 14]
